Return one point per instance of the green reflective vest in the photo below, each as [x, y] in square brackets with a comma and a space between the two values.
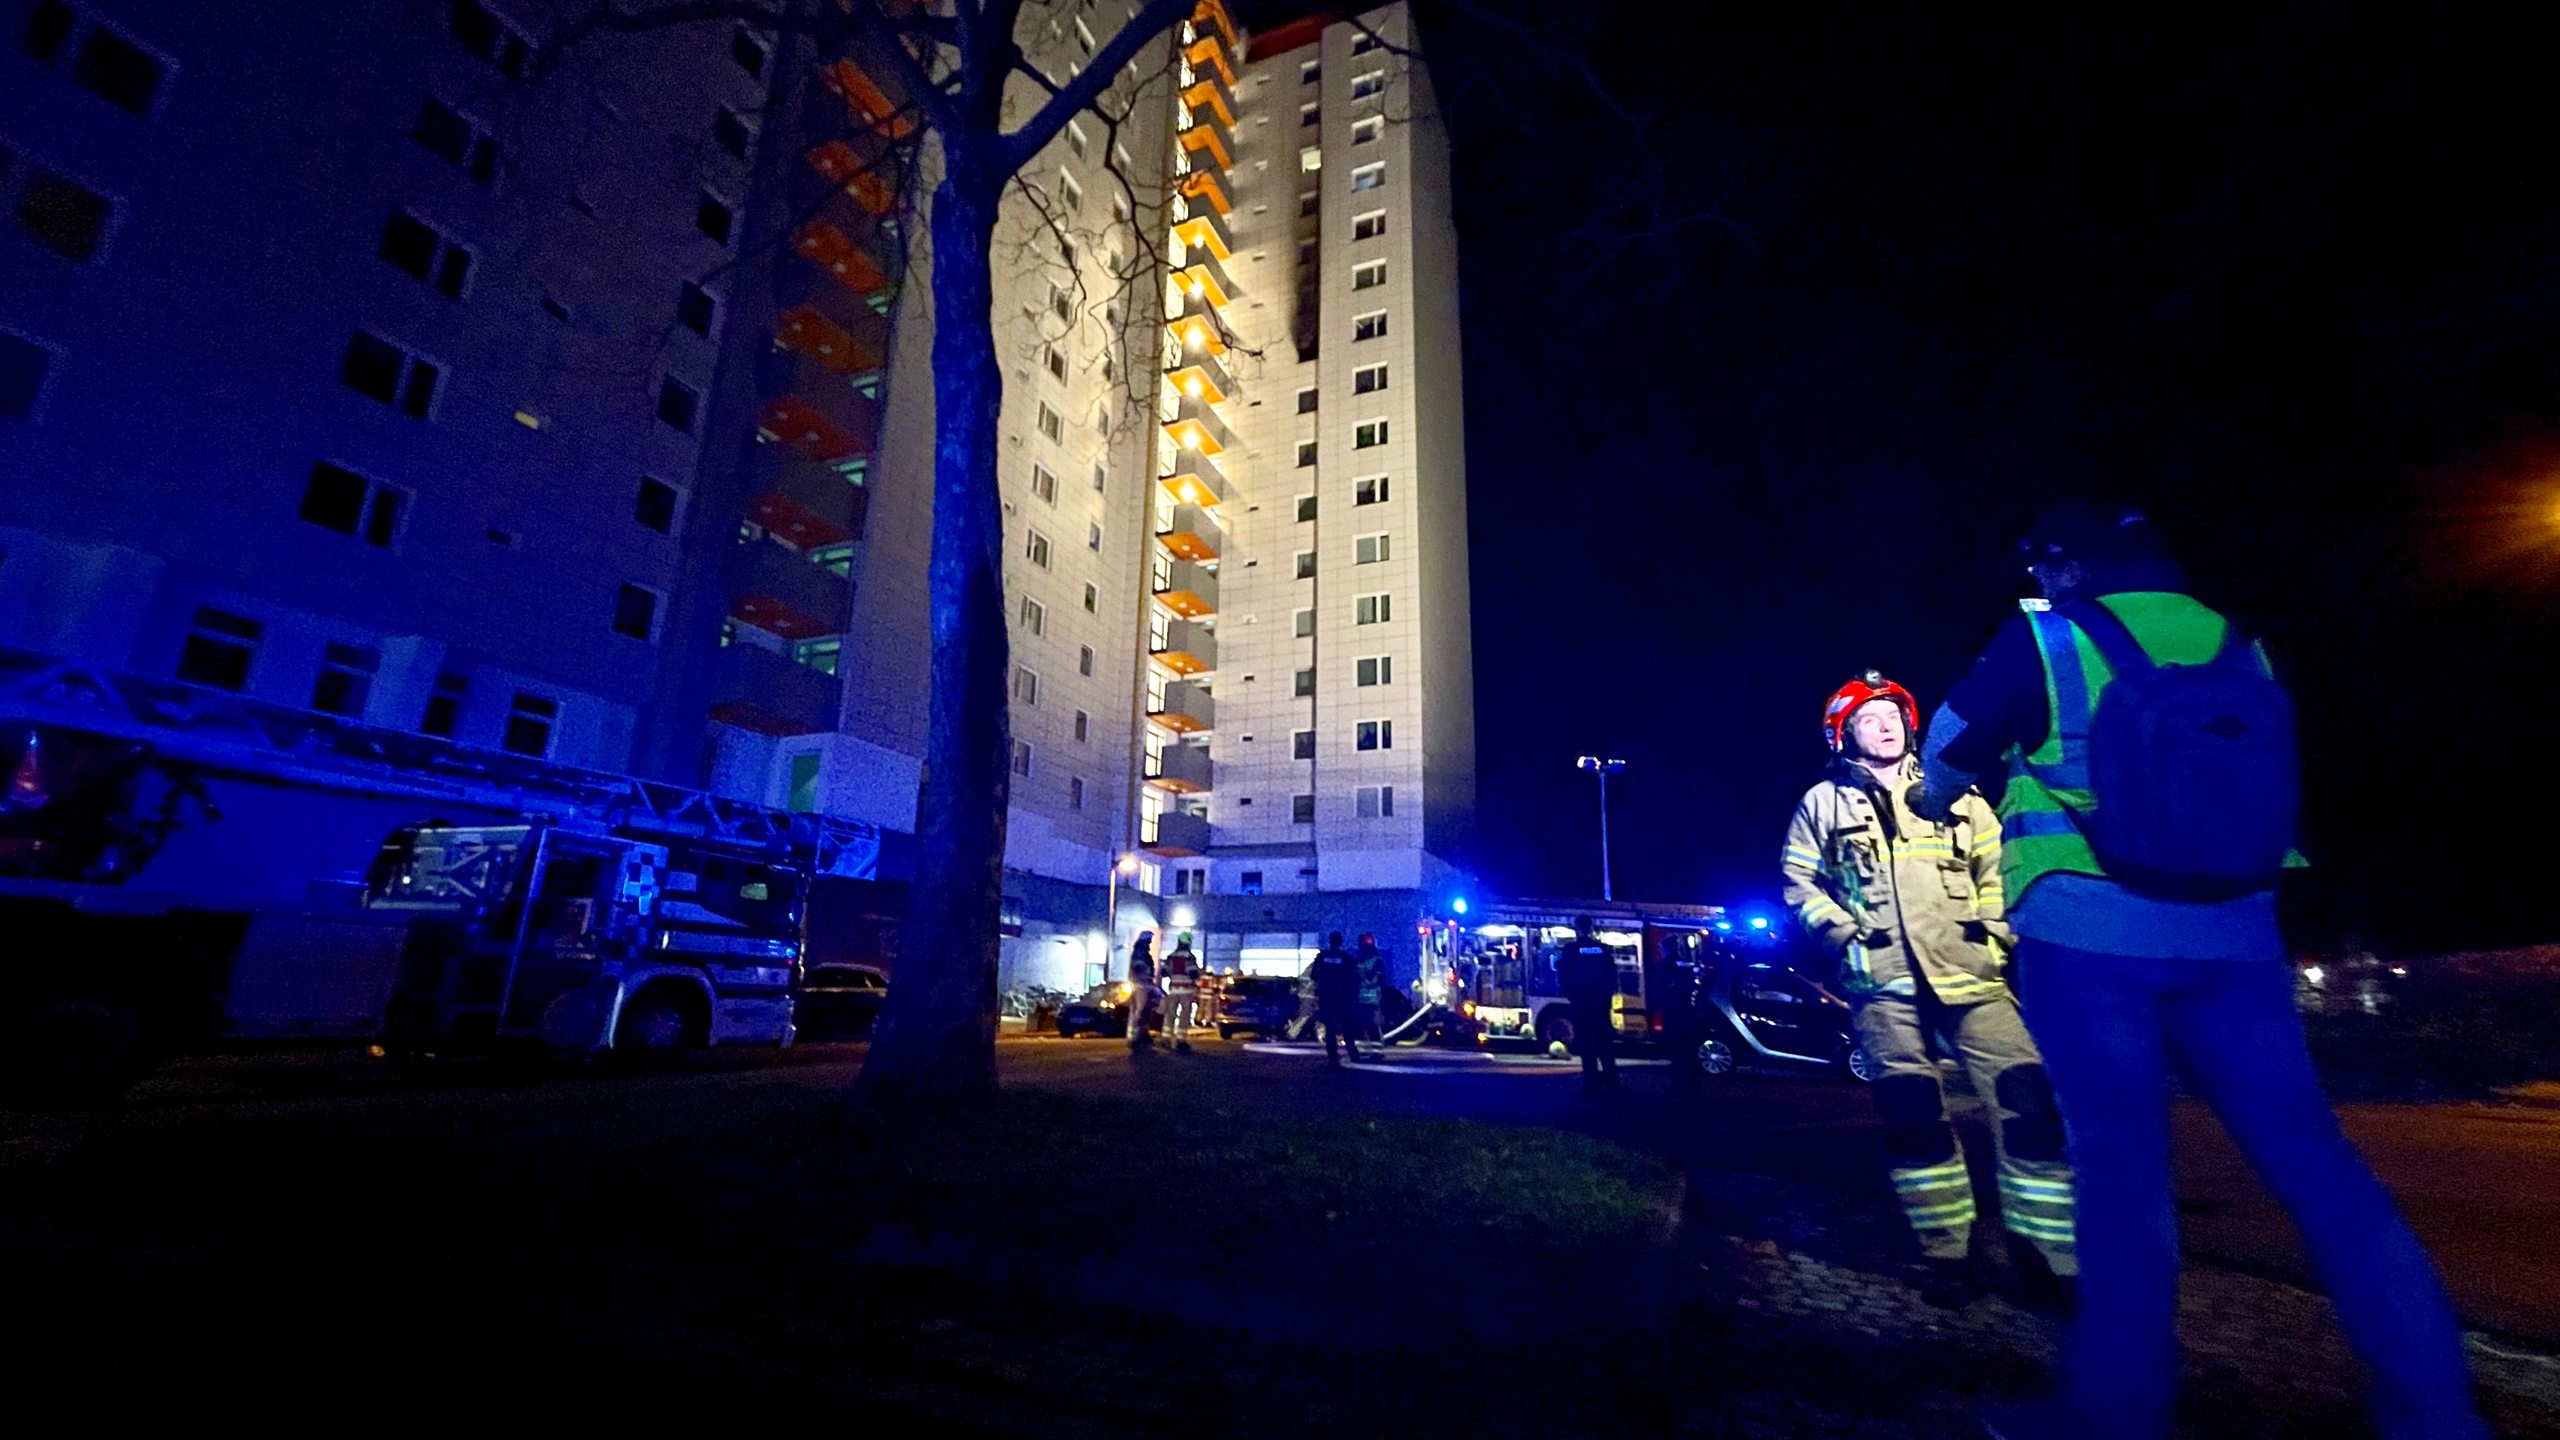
[2049, 785]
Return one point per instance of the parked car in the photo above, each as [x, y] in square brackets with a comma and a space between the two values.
[1102, 1010]
[839, 1002]
[1769, 1014]
[1257, 1005]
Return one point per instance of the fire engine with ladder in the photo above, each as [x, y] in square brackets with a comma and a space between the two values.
[181, 866]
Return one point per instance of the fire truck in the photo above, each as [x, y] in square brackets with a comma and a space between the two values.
[181, 865]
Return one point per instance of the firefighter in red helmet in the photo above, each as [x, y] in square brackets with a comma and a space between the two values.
[1911, 911]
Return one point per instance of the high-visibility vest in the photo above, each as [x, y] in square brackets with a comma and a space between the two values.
[2049, 785]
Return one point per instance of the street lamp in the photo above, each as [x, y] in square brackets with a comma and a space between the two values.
[1125, 865]
[1604, 769]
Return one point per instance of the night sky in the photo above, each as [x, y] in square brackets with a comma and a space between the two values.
[2288, 281]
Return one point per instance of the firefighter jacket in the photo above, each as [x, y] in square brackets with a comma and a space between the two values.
[1885, 890]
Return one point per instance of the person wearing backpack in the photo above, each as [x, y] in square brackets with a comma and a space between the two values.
[2142, 755]
[1181, 967]
[1909, 911]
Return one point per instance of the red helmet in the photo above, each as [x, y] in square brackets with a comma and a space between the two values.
[1869, 685]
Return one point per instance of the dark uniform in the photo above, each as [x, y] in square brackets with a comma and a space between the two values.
[1337, 985]
[1589, 976]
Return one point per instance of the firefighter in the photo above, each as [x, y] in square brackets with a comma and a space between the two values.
[1142, 988]
[1181, 994]
[1335, 980]
[1911, 909]
[1588, 975]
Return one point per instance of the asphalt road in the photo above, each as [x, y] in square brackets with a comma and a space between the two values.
[2477, 1181]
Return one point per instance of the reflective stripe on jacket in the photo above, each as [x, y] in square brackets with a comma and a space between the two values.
[1935, 891]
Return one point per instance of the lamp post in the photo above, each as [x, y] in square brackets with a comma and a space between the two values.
[1604, 769]
[1125, 865]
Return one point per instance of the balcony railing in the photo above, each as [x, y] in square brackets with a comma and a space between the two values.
[1188, 589]
[779, 590]
[1181, 769]
[1185, 709]
[870, 103]
[1192, 533]
[1205, 230]
[1203, 278]
[822, 318]
[1197, 426]
[1179, 832]
[755, 689]
[1204, 378]
[1189, 648]
[805, 501]
[813, 409]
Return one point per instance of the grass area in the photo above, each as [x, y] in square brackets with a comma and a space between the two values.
[2456, 1036]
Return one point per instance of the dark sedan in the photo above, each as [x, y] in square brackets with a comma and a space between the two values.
[1256, 1005]
[839, 1002]
[1102, 1010]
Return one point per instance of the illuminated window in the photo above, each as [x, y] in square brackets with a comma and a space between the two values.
[1371, 176]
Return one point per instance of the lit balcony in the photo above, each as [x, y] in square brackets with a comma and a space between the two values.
[1196, 329]
[755, 689]
[1194, 426]
[805, 501]
[1181, 769]
[843, 254]
[1203, 278]
[1188, 589]
[822, 318]
[1204, 377]
[870, 104]
[1179, 832]
[872, 181]
[1207, 92]
[1188, 648]
[1186, 709]
[1205, 187]
[1208, 53]
[812, 409]
[1205, 230]
[1192, 533]
[1208, 142]
[779, 590]
[1213, 13]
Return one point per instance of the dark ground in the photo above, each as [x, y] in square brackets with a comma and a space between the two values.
[1235, 1242]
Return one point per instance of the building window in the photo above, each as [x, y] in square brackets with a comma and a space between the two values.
[1052, 424]
[1307, 401]
[1369, 326]
[730, 132]
[1054, 360]
[1310, 113]
[219, 647]
[1036, 549]
[1369, 226]
[490, 38]
[1302, 809]
[748, 51]
[380, 370]
[1026, 685]
[714, 217]
[1092, 598]
[1022, 758]
[1366, 132]
[1084, 37]
[695, 309]
[1302, 744]
[1369, 275]
[1371, 491]
[1093, 536]
[1306, 565]
[1309, 72]
[1249, 882]
[635, 612]
[341, 500]
[658, 504]
[678, 403]
[1374, 670]
[457, 142]
[1077, 141]
[1370, 435]
[824, 655]
[530, 720]
[1044, 483]
[1374, 802]
[1306, 453]
[1070, 194]
[417, 249]
[1302, 624]
[1372, 176]
[444, 706]
[1369, 549]
[103, 62]
[65, 216]
[1075, 792]
[1368, 83]
[1310, 159]
[836, 560]
[1371, 610]
[24, 368]
[1368, 379]
[1101, 477]
[1308, 203]
[1062, 305]
[1363, 43]
[1033, 616]
[1084, 727]
[1302, 684]
[1084, 660]
[1306, 509]
[346, 678]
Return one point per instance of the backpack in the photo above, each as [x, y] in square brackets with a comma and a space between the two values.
[2193, 769]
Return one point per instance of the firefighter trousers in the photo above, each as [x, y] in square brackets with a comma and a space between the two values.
[1181, 1011]
[1921, 1147]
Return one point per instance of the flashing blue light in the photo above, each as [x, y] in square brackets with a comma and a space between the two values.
[1459, 905]
[1724, 925]
[1759, 922]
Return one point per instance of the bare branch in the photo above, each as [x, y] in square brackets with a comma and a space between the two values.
[1153, 19]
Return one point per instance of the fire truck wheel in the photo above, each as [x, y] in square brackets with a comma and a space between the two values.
[81, 1046]
[657, 1027]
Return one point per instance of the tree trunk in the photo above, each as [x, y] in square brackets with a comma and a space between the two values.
[936, 1037]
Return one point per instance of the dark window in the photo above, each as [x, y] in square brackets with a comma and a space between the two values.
[657, 507]
[695, 309]
[1306, 508]
[488, 37]
[748, 51]
[444, 707]
[383, 524]
[730, 132]
[677, 403]
[1307, 402]
[444, 132]
[421, 396]
[454, 272]
[219, 649]
[635, 612]
[49, 26]
[23, 367]
[346, 678]
[410, 244]
[529, 725]
[1302, 809]
[714, 219]
[65, 216]
[552, 307]
[373, 367]
[1303, 684]
[334, 499]
[1302, 745]
[1250, 882]
[119, 71]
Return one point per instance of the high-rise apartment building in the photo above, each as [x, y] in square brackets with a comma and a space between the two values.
[349, 360]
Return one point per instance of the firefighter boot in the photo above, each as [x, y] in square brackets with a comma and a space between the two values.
[1947, 1281]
